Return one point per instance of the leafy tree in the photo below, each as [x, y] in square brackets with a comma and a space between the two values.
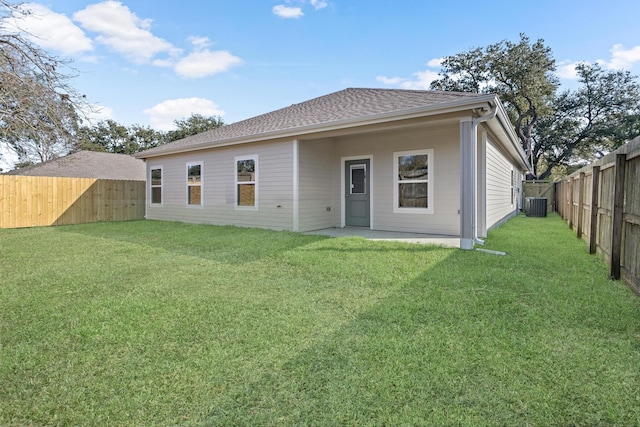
[557, 130]
[520, 73]
[112, 137]
[143, 138]
[196, 123]
[38, 107]
[590, 121]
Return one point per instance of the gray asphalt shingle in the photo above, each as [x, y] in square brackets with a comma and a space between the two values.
[352, 103]
[89, 164]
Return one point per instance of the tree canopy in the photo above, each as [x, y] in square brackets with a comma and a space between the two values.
[586, 123]
[194, 124]
[555, 128]
[113, 137]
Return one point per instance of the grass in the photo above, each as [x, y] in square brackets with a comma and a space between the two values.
[156, 323]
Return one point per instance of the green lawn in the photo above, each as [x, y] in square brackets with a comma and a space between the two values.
[156, 323]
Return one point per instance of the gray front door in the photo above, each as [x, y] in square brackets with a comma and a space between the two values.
[357, 191]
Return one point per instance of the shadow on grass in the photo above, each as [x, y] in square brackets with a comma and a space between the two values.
[228, 244]
[473, 340]
[385, 333]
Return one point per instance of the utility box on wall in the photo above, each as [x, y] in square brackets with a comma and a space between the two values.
[535, 206]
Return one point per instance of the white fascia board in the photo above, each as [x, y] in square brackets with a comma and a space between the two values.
[295, 133]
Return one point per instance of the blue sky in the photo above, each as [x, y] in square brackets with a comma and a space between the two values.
[150, 62]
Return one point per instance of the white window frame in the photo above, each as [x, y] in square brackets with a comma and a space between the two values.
[362, 166]
[151, 186]
[430, 178]
[255, 182]
[200, 184]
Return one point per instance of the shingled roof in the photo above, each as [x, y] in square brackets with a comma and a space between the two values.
[89, 164]
[338, 107]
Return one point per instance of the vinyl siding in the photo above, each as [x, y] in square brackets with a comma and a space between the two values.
[274, 187]
[316, 185]
[444, 140]
[320, 196]
[499, 199]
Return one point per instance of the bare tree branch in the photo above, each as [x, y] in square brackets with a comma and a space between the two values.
[39, 109]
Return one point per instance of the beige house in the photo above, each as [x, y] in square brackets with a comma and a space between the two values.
[444, 163]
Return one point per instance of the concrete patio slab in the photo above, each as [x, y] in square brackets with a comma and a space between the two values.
[432, 239]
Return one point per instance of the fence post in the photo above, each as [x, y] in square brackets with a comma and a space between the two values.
[563, 202]
[593, 233]
[618, 202]
[565, 199]
[570, 202]
[558, 197]
[580, 205]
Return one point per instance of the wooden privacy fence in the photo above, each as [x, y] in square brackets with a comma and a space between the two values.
[30, 201]
[544, 189]
[601, 202]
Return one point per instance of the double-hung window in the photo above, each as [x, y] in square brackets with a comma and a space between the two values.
[194, 184]
[413, 181]
[246, 182]
[156, 186]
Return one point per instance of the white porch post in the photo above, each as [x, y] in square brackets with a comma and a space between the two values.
[468, 162]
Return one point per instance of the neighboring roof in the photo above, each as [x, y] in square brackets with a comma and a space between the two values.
[89, 164]
[345, 108]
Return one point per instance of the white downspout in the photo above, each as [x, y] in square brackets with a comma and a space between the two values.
[474, 138]
[469, 178]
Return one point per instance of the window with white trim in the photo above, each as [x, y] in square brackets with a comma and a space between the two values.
[247, 182]
[413, 181]
[194, 184]
[156, 186]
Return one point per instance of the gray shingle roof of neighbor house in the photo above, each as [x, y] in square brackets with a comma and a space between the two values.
[89, 164]
[344, 108]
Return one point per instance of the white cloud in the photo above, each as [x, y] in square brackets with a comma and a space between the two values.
[622, 58]
[391, 81]
[287, 12]
[49, 30]
[567, 70]
[162, 115]
[421, 81]
[121, 30]
[318, 4]
[164, 63]
[435, 63]
[200, 42]
[206, 63]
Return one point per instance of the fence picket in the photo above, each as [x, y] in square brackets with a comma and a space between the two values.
[614, 199]
[28, 201]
